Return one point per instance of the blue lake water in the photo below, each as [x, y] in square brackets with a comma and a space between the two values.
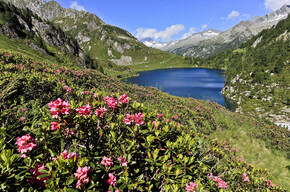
[199, 83]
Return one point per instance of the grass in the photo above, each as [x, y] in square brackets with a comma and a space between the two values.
[21, 47]
[253, 150]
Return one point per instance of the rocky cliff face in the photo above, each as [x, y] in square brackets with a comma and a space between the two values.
[28, 26]
[95, 37]
[258, 77]
[231, 38]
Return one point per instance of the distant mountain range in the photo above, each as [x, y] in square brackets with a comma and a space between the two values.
[193, 39]
[96, 38]
[210, 42]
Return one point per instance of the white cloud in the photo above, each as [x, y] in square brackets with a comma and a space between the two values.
[165, 35]
[189, 33]
[247, 16]
[76, 6]
[204, 27]
[233, 15]
[275, 4]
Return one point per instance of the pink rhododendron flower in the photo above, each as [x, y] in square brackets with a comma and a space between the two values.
[191, 187]
[210, 176]
[123, 161]
[69, 131]
[159, 116]
[175, 117]
[82, 175]
[112, 180]
[95, 95]
[233, 149]
[137, 119]
[221, 183]
[270, 183]
[127, 119]
[123, 99]
[84, 110]
[101, 112]
[39, 182]
[25, 143]
[107, 161]
[58, 107]
[22, 119]
[111, 102]
[54, 126]
[66, 155]
[245, 178]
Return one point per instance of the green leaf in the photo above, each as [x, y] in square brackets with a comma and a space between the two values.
[43, 175]
[70, 180]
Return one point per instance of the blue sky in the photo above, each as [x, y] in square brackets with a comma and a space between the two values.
[166, 20]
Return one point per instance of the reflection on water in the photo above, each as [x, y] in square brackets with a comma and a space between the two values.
[199, 83]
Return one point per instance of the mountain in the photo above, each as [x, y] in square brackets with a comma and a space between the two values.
[65, 127]
[149, 42]
[38, 34]
[193, 39]
[257, 74]
[96, 38]
[231, 38]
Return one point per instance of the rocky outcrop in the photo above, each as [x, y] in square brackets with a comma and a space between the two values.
[231, 38]
[5, 30]
[90, 32]
[29, 26]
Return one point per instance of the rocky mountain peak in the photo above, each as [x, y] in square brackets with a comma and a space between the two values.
[197, 47]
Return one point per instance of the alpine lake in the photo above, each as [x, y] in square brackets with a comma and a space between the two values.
[198, 83]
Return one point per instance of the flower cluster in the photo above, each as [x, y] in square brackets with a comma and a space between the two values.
[101, 112]
[112, 180]
[123, 99]
[234, 149]
[159, 116]
[65, 155]
[58, 107]
[137, 119]
[270, 183]
[221, 183]
[123, 161]
[36, 180]
[111, 102]
[25, 143]
[82, 175]
[245, 177]
[107, 161]
[67, 88]
[191, 187]
[54, 126]
[69, 131]
[84, 110]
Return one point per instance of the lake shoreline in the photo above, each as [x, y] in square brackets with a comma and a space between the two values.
[197, 82]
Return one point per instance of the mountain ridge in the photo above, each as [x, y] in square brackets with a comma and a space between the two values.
[233, 37]
[98, 39]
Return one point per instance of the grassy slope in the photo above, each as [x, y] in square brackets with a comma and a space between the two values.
[21, 47]
[251, 149]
